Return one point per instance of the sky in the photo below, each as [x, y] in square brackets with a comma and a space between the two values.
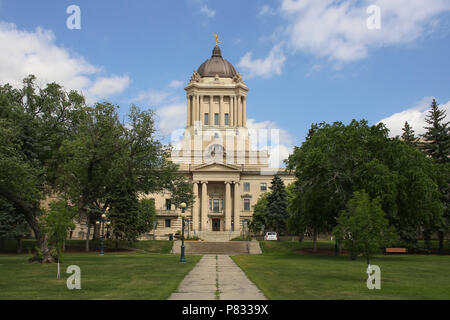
[304, 61]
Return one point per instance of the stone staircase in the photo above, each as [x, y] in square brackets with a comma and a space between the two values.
[217, 236]
[217, 248]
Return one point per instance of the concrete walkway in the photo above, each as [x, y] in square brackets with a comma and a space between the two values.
[217, 277]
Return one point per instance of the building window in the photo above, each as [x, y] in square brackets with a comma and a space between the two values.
[206, 119]
[210, 204]
[216, 205]
[168, 204]
[263, 186]
[167, 223]
[216, 119]
[246, 187]
[227, 119]
[246, 204]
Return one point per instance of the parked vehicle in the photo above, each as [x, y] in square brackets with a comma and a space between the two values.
[271, 236]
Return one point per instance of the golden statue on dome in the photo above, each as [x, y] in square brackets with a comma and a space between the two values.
[217, 39]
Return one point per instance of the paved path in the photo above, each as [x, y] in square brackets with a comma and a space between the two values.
[217, 277]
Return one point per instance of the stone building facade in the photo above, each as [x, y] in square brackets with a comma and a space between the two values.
[227, 173]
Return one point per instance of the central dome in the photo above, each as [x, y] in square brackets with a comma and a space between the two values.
[217, 66]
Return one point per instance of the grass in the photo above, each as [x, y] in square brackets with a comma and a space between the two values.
[123, 276]
[152, 246]
[284, 274]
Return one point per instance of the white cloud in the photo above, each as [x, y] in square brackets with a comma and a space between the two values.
[171, 117]
[415, 117]
[208, 12]
[267, 67]
[266, 10]
[35, 52]
[175, 84]
[154, 98]
[267, 135]
[337, 30]
[105, 87]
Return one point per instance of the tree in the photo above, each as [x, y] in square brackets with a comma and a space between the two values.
[12, 224]
[363, 228]
[341, 159]
[408, 135]
[259, 222]
[33, 124]
[109, 164]
[437, 136]
[276, 213]
[437, 146]
[56, 224]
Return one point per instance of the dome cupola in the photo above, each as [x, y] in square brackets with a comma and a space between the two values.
[217, 65]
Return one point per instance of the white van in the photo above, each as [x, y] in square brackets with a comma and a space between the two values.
[271, 236]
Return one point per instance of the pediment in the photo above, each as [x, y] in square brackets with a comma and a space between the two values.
[216, 166]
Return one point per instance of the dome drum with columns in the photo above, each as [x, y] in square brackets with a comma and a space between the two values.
[215, 155]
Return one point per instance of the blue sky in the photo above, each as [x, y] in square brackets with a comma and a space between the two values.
[304, 61]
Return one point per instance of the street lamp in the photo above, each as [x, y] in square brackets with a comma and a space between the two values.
[183, 215]
[103, 220]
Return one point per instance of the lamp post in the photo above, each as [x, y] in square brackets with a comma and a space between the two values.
[182, 206]
[103, 220]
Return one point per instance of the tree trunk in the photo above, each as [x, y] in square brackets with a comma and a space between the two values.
[315, 241]
[427, 238]
[19, 245]
[31, 212]
[336, 248]
[441, 242]
[88, 233]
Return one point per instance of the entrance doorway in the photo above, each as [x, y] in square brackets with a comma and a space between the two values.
[215, 224]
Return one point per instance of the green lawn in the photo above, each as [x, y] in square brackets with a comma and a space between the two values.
[158, 246]
[112, 276]
[282, 273]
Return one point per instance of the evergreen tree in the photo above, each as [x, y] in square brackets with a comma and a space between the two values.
[408, 135]
[437, 146]
[437, 137]
[276, 210]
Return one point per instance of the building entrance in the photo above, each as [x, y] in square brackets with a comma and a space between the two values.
[215, 224]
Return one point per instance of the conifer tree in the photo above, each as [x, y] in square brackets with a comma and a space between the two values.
[408, 135]
[437, 146]
[276, 210]
[437, 137]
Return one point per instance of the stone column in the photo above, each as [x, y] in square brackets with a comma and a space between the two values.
[238, 111]
[237, 206]
[231, 115]
[211, 117]
[189, 110]
[195, 207]
[227, 205]
[221, 113]
[200, 109]
[204, 205]
[244, 112]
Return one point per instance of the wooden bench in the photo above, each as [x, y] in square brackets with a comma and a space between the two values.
[395, 250]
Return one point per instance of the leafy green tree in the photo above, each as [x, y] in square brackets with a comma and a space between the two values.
[12, 224]
[363, 228]
[57, 224]
[276, 213]
[296, 222]
[341, 159]
[408, 135]
[259, 222]
[33, 124]
[146, 215]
